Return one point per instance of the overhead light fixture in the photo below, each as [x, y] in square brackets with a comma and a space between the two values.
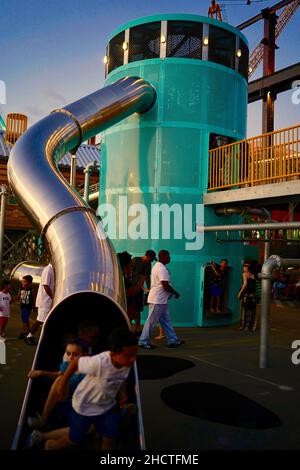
[250, 69]
[125, 46]
[205, 41]
[105, 59]
[163, 39]
[239, 53]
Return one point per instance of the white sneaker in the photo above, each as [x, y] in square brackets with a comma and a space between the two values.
[2, 339]
[35, 438]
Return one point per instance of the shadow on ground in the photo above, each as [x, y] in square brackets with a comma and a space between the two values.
[160, 367]
[218, 404]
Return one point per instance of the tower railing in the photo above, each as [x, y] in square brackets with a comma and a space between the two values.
[269, 158]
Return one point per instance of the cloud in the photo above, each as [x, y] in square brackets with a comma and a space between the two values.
[57, 98]
[34, 111]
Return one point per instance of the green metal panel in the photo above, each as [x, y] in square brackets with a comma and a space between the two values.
[162, 157]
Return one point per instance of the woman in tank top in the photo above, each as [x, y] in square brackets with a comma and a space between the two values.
[247, 295]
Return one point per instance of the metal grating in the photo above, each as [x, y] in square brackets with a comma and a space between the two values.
[144, 42]
[184, 39]
[221, 47]
[116, 52]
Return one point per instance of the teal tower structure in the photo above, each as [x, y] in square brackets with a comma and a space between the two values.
[160, 160]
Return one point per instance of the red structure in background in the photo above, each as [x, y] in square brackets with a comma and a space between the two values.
[214, 11]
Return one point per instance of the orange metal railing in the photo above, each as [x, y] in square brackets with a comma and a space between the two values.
[268, 158]
[16, 125]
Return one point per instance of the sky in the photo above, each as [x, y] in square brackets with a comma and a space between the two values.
[52, 51]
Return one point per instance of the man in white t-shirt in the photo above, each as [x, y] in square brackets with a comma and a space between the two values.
[5, 300]
[161, 290]
[43, 301]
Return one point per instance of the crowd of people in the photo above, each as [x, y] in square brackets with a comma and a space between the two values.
[136, 272]
[89, 389]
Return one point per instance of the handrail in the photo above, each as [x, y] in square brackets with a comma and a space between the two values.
[267, 158]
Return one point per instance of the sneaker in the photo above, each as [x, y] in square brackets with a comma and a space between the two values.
[36, 422]
[35, 438]
[146, 346]
[2, 339]
[176, 344]
[31, 341]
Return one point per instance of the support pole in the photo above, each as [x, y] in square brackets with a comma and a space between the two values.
[3, 195]
[73, 171]
[266, 275]
[267, 245]
[87, 179]
[268, 42]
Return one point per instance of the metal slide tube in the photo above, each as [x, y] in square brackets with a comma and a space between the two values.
[25, 268]
[87, 274]
[3, 195]
[82, 257]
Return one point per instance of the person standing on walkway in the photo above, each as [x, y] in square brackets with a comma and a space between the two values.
[5, 301]
[43, 301]
[141, 269]
[160, 291]
[247, 295]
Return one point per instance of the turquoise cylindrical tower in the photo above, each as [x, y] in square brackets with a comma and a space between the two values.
[199, 69]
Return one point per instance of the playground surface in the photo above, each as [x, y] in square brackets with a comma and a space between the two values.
[208, 393]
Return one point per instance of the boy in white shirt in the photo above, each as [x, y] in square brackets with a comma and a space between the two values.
[5, 300]
[95, 398]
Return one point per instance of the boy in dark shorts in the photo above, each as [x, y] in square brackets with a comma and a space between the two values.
[95, 398]
[217, 284]
[26, 296]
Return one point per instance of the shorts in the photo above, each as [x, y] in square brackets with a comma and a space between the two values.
[42, 314]
[25, 314]
[215, 291]
[3, 321]
[107, 425]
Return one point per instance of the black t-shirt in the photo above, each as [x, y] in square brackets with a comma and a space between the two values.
[26, 297]
[218, 280]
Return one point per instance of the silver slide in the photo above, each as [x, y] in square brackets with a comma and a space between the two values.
[87, 275]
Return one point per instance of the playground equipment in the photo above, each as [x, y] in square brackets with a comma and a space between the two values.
[87, 275]
[199, 67]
